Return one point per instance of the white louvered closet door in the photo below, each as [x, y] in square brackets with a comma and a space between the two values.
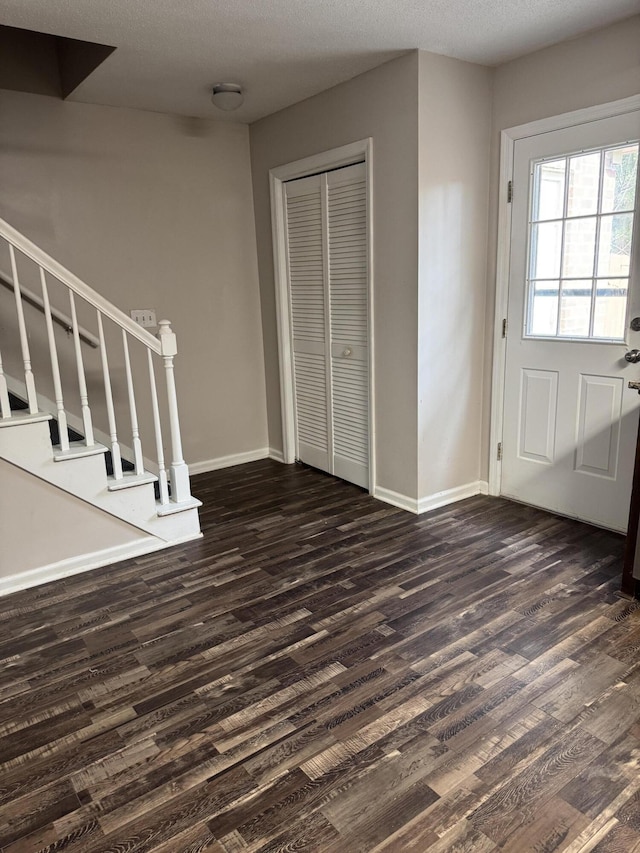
[306, 238]
[347, 214]
[327, 262]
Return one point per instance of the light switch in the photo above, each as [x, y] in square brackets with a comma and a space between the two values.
[146, 317]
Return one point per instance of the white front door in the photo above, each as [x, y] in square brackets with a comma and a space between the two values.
[570, 422]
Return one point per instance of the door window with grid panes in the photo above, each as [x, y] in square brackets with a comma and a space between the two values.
[580, 235]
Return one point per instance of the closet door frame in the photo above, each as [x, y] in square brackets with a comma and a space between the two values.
[346, 155]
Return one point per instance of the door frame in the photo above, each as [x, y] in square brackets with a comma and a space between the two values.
[508, 139]
[345, 155]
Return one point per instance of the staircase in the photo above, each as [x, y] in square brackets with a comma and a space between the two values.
[43, 436]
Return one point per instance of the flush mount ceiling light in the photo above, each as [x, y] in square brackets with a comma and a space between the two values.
[227, 96]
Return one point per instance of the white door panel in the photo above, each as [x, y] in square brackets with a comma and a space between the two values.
[599, 413]
[538, 406]
[348, 293]
[328, 280]
[305, 250]
[569, 421]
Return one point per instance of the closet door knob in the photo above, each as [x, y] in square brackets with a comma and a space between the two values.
[346, 352]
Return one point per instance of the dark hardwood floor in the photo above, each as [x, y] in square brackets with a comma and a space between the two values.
[324, 672]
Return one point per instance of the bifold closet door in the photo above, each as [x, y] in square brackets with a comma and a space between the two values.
[306, 237]
[327, 265]
[348, 300]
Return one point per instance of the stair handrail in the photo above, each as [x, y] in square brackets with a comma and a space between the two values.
[57, 316]
[79, 287]
[163, 345]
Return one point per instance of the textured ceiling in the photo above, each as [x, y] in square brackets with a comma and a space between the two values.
[170, 52]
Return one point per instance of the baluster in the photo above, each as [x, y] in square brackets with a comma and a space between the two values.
[162, 471]
[24, 341]
[5, 406]
[137, 444]
[55, 367]
[116, 458]
[82, 382]
[180, 488]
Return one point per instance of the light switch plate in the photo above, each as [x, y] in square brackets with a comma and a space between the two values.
[146, 317]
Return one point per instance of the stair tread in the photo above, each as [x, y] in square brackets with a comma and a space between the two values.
[173, 506]
[77, 450]
[25, 418]
[130, 480]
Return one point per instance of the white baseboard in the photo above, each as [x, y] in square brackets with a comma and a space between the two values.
[235, 459]
[438, 499]
[395, 499]
[228, 461]
[449, 496]
[86, 562]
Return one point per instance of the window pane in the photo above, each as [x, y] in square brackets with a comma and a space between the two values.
[579, 246]
[575, 309]
[549, 190]
[584, 180]
[619, 179]
[610, 310]
[580, 234]
[544, 308]
[614, 251]
[546, 243]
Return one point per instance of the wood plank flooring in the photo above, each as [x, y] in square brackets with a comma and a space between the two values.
[324, 672]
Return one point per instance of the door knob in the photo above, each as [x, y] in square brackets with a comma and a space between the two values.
[346, 352]
[633, 356]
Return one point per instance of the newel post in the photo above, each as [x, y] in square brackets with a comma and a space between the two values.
[180, 488]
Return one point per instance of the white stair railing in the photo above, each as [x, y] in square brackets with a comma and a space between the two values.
[55, 366]
[179, 469]
[29, 379]
[163, 346]
[5, 405]
[87, 422]
[162, 471]
[133, 411]
[116, 455]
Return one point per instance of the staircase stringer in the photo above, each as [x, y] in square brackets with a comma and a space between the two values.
[28, 446]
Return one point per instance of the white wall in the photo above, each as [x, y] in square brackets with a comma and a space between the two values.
[152, 211]
[43, 525]
[599, 67]
[429, 117]
[455, 134]
[383, 104]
